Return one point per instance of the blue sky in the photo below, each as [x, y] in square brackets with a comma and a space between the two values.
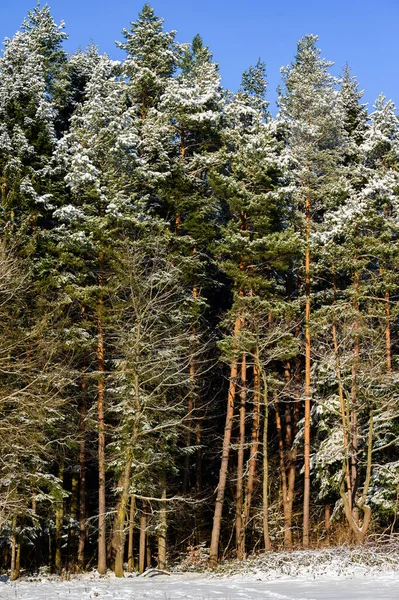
[238, 32]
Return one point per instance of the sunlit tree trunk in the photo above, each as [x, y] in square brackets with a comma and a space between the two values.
[266, 535]
[240, 462]
[217, 519]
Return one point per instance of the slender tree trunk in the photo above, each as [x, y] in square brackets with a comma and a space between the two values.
[283, 471]
[82, 488]
[240, 463]
[291, 424]
[254, 448]
[198, 441]
[217, 519]
[102, 540]
[14, 574]
[18, 561]
[162, 529]
[120, 517]
[327, 521]
[266, 536]
[71, 557]
[306, 490]
[130, 557]
[142, 541]
[59, 517]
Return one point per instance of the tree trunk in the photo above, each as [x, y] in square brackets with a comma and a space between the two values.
[162, 529]
[306, 489]
[120, 517]
[327, 521]
[217, 519]
[266, 536]
[102, 541]
[353, 414]
[281, 454]
[254, 448]
[130, 557]
[71, 556]
[14, 574]
[59, 517]
[240, 464]
[142, 542]
[82, 488]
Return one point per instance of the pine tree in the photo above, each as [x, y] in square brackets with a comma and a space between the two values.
[152, 57]
[316, 138]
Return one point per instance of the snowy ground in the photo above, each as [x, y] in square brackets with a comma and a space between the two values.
[330, 574]
[198, 587]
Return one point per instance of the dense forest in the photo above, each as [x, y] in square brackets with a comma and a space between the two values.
[199, 302]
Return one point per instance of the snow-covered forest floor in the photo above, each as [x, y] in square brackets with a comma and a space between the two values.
[336, 574]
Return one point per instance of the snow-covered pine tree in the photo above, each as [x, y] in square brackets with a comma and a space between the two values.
[152, 58]
[98, 155]
[316, 138]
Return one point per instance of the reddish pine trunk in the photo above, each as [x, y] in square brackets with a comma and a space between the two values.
[253, 450]
[217, 519]
[240, 463]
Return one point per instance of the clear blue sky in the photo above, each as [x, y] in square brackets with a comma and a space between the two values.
[363, 32]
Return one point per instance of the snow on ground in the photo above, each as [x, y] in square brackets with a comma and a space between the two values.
[200, 587]
[336, 574]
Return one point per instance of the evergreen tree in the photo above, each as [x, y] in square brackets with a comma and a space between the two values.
[316, 137]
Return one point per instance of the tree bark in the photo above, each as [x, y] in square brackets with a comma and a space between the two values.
[130, 557]
[71, 558]
[14, 574]
[142, 541]
[120, 517]
[353, 413]
[82, 488]
[240, 463]
[306, 490]
[266, 536]
[253, 449]
[217, 519]
[162, 529]
[102, 541]
[59, 517]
